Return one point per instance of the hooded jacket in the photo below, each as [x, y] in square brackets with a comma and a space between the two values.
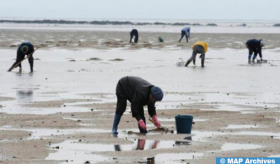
[137, 91]
[29, 51]
[254, 45]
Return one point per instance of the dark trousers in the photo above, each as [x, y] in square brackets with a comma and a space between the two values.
[135, 38]
[251, 51]
[183, 33]
[121, 107]
[134, 33]
[198, 49]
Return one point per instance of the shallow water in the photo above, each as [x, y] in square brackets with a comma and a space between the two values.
[241, 126]
[236, 146]
[175, 158]
[183, 86]
[81, 151]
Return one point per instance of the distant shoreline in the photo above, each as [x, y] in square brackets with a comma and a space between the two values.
[71, 22]
[52, 21]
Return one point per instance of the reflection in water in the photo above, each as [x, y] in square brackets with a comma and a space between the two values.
[24, 96]
[71, 149]
[143, 144]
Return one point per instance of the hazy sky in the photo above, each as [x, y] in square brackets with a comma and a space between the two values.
[142, 9]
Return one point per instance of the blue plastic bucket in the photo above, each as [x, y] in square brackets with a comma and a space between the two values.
[184, 123]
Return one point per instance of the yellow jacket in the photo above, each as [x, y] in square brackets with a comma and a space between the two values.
[203, 44]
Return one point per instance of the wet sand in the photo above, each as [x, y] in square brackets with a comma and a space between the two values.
[63, 112]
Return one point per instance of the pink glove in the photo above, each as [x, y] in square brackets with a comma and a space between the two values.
[157, 123]
[142, 125]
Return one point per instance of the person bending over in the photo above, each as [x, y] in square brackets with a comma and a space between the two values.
[139, 93]
[185, 32]
[255, 46]
[199, 47]
[25, 48]
[134, 33]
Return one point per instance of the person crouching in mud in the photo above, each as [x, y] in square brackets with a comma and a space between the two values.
[200, 47]
[25, 48]
[255, 46]
[139, 93]
[134, 33]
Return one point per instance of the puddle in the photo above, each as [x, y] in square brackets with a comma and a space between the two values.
[138, 144]
[74, 155]
[241, 126]
[205, 101]
[269, 134]
[235, 146]
[220, 101]
[24, 96]
[15, 109]
[41, 133]
[202, 136]
[76, 151]
[199, 120]
[173, 158]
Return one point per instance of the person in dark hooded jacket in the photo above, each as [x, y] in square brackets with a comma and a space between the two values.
[255, 46]
[134, 33]
[25, 48]
[139, 93]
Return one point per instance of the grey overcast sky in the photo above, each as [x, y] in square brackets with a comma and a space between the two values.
[142, 9]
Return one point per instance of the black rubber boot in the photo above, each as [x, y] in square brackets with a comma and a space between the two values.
[116, 123]
[202, 62]
[187, 63]
[31, 67]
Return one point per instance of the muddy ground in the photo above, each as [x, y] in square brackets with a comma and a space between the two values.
[63, 112]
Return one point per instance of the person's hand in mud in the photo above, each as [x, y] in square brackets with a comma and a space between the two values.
[142, 124]
[156, 121]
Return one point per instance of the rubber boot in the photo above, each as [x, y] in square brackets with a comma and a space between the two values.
[140, 129]
[202, 62]
[116, 123]
[254, 57]
[249, 59]
[187, 63]
[31, 67]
